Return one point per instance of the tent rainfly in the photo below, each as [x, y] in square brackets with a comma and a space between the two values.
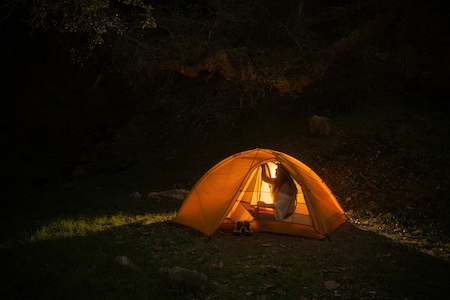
[230, 190]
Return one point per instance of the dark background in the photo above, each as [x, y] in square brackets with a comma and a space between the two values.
[60, 119]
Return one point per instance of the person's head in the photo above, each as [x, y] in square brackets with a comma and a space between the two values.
[282, 175]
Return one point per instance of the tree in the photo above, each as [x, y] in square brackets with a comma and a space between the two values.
[285, 44]
[90, 24]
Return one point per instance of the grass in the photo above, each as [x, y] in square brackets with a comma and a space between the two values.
[61, 242]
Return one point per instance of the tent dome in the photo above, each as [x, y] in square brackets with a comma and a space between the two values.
[230, 190]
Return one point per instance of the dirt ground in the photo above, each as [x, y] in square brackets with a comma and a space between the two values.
[268, 243]
[356, 263]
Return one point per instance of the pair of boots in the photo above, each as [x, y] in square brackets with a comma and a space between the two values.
[243, 227]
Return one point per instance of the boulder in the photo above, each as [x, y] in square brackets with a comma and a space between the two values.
[192, 280]
[126, 262]
[319, 126]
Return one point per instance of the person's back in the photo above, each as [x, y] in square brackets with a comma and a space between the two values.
[284, 204]
[284, 195]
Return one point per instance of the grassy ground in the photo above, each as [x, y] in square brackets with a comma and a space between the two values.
[387, 165]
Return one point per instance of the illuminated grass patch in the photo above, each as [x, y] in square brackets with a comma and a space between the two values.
[68, 228]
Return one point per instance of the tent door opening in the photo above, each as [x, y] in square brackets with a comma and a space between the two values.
[255, 190]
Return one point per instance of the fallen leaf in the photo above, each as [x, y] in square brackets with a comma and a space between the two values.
[279, 290]
[274, 289]
[217, 264]
[220, 265]
[331, 285]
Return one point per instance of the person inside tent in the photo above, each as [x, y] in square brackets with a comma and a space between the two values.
[284, 194]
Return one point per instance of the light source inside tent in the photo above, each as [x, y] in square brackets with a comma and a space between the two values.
[265, 187]
[254, 190]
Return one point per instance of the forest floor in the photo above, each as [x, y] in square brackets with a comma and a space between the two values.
[387, 165]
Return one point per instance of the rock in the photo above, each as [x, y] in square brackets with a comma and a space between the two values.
[177, 194]
[136, 195]
[316, 125]
[126, 262]
[191, 279]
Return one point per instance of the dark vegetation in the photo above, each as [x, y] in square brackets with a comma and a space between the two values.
[78, 139]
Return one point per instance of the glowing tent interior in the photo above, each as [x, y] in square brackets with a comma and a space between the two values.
[230, 190]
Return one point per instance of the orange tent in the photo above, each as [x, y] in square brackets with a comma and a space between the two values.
[229, 191]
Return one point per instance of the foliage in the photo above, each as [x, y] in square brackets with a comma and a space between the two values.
[91, 23]
[268, 43]
[283, 45]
